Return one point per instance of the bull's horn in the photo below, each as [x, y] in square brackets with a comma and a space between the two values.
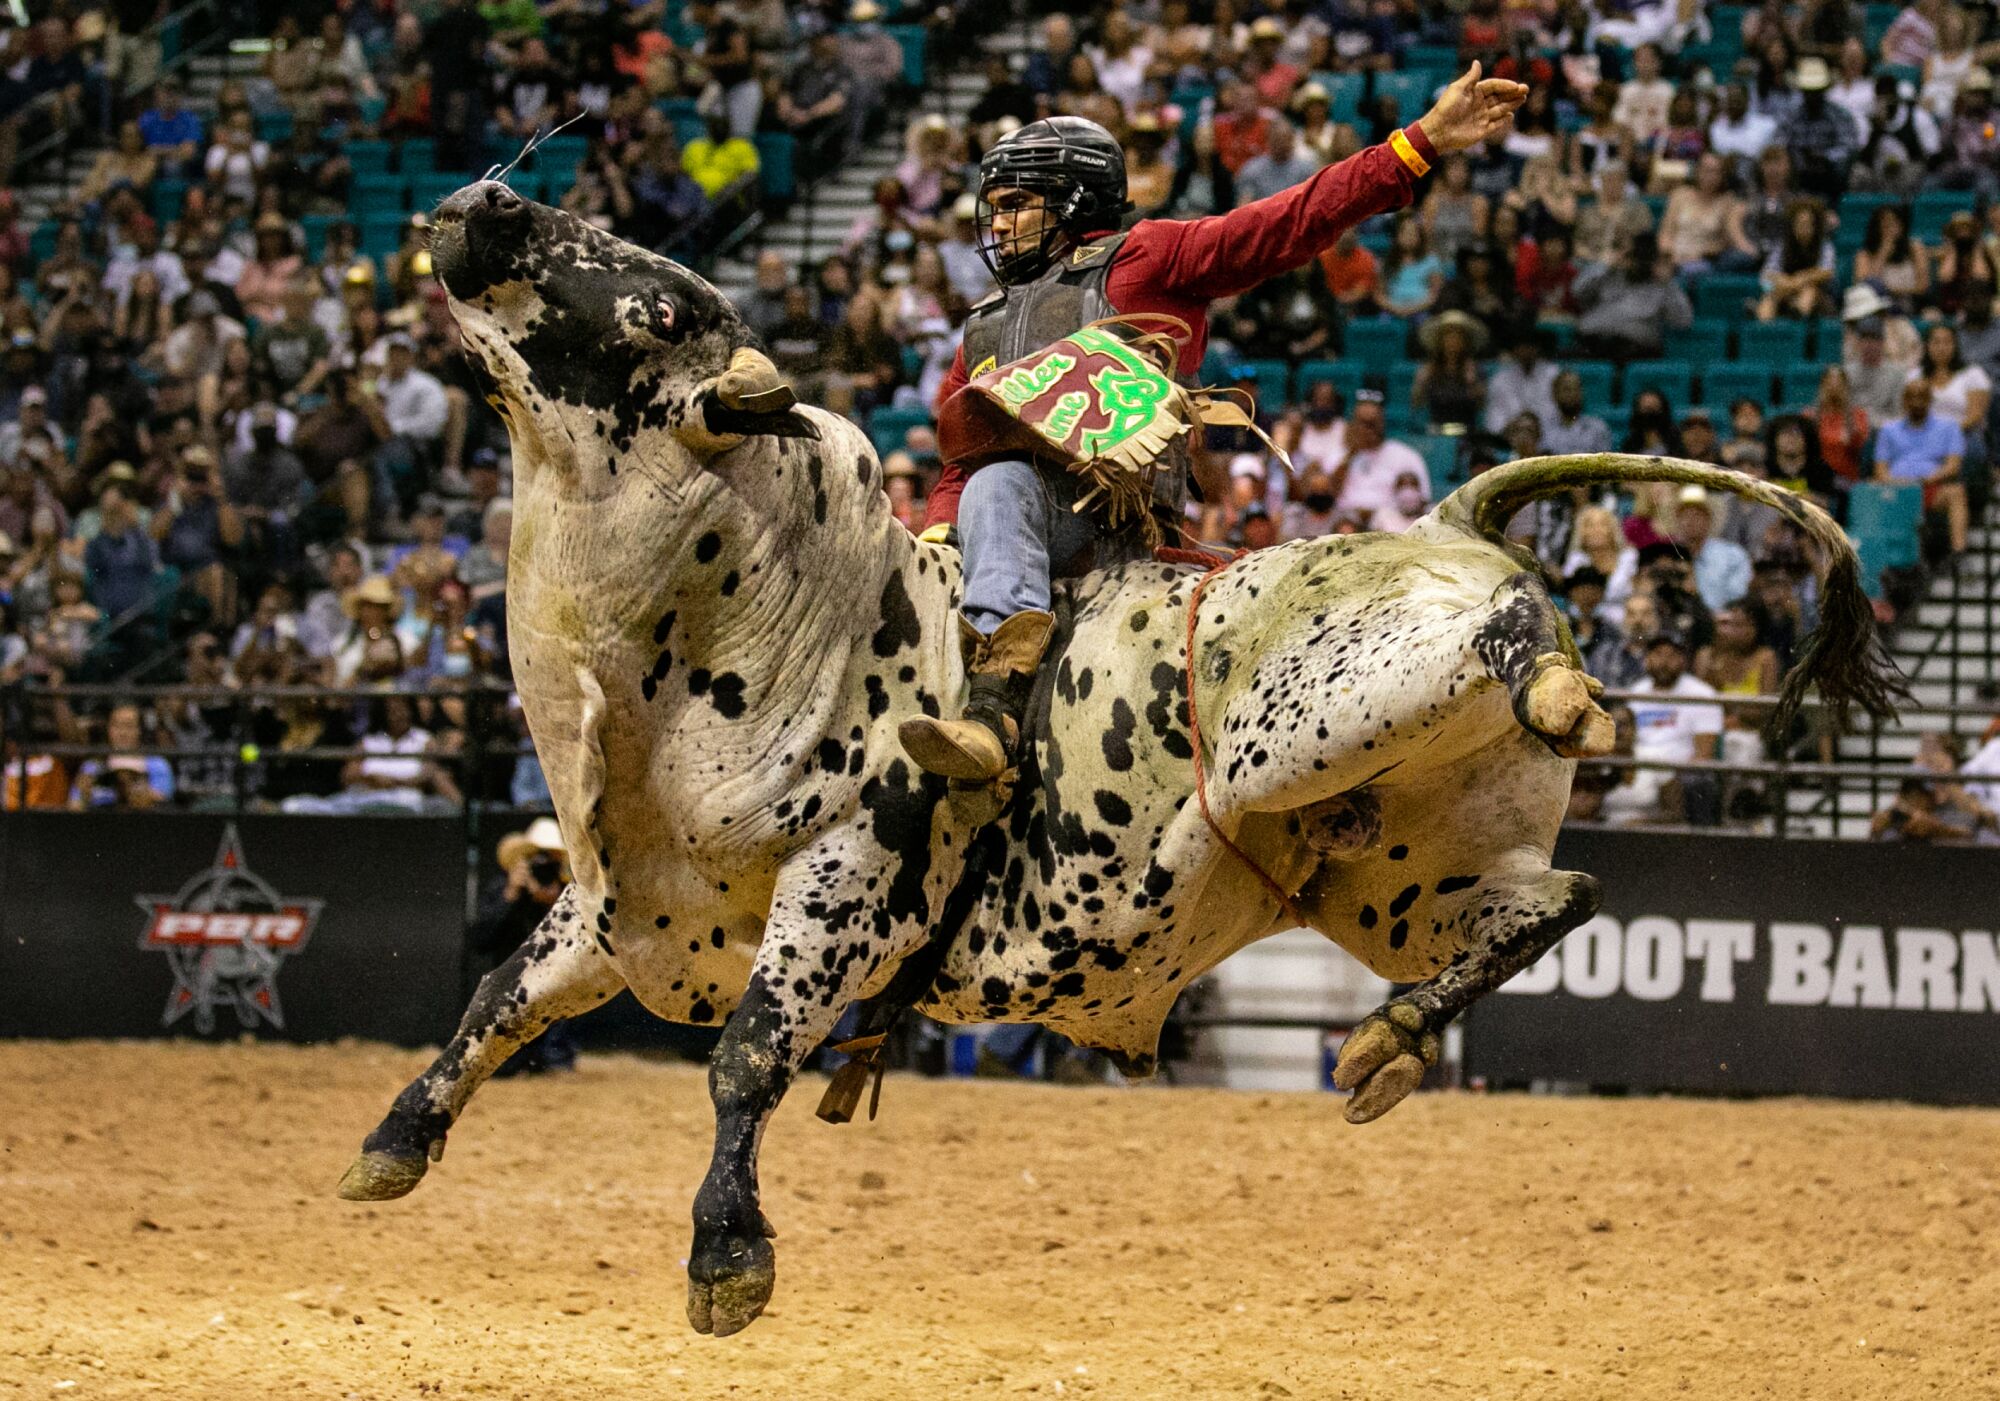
[749, 399]
[1843, 658]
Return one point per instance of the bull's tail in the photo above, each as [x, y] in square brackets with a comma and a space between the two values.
[1842, 658]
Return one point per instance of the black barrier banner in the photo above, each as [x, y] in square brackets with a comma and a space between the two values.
[1767, 966]
[300, 928]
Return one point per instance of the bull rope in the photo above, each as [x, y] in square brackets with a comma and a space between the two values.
[1213, 567]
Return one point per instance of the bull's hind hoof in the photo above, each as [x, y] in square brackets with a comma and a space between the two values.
[1383, 1060]
[730, 1282]
[1560, 704]
[382, 1177]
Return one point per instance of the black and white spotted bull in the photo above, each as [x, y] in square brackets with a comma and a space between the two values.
[717, 625]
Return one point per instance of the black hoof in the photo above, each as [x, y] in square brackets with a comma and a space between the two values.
[730, 1282]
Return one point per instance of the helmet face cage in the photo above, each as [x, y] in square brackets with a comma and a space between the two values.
[1020, 257]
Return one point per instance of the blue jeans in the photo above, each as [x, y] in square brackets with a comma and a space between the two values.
[1014, 525]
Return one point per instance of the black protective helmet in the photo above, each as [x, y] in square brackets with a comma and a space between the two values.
[1076, 166]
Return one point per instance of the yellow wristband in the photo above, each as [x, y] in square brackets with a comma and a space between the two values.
[1406, 152]
[937, 535]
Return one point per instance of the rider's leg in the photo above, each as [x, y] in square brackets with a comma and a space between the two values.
[1014, 523]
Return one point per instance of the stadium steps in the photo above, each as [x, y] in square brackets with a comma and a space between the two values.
[818, 224]
[1946, 665]
[49, 185]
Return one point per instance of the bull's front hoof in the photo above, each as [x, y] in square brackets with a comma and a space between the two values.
[1560, 705]
[729, 1283]
[382, 1177]
[1383, 1060]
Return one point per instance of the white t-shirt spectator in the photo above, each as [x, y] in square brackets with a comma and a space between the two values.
[414, 405]
[1746, 138]
[166, 269]
[1125, 77]
[1326, 447]
[1372, 474]
[1857, 99]
[1984, 764]
[406, 769]
[189, 353]
[238, 169]
[243, 441]
[1667, 731]
[1643, 106]
[1949, 402]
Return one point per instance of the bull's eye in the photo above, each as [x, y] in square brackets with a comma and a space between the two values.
[664, 314]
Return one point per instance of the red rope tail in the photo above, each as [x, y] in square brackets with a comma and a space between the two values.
[1200, 764]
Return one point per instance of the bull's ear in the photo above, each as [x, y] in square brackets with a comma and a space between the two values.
[753, 399]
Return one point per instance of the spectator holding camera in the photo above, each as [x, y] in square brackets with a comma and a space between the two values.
[535, 869]
[122, 779]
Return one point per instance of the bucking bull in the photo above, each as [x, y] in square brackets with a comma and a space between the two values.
[716, 625]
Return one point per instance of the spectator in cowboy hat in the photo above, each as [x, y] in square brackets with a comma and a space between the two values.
[1879, 348]
[1449, 386]
[534, 869]
[370, 651]
[905, 485]
[1819, 135]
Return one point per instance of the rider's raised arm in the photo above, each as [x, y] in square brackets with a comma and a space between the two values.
[1227, 254]
[1202, 259]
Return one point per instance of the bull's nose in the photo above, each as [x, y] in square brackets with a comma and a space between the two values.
[488, 199]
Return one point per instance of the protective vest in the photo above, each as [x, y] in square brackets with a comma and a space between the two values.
[1019, 321]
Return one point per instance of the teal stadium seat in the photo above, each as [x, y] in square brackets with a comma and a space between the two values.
[776, 174]
[1827, 339]
[1885, 519]
[273, 128]
[1798, 386]
[1375, 340]
[1596, 376]
[378, 194]
[1431, 56]
[1705, 343]
[887, 427]
[1273, 382]
[167, 197]
[1413, 89]
[315, 227]
[1723, 385]
[417, 155]
[42, 241]
[1443, 460]
[427, 192]
[911, 37]
[1722, 295]
[1876, 20]
[560, 150]
[1345, 375]
[1774, 344]
[1933, 208]
[381, 232]
[1344, 93]
[367, 157]
[1673, 378]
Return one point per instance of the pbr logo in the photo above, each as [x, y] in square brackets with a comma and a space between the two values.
[226, 934]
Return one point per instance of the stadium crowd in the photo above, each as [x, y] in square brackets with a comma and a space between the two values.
[238, 446]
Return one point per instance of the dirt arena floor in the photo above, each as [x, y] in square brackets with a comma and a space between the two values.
[168, 1228]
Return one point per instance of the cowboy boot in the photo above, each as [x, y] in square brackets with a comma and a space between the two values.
[1000, 669]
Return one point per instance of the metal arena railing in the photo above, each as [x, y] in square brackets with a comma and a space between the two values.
[40, 721]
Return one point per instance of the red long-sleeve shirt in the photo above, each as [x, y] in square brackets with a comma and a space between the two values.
[1178, 266]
